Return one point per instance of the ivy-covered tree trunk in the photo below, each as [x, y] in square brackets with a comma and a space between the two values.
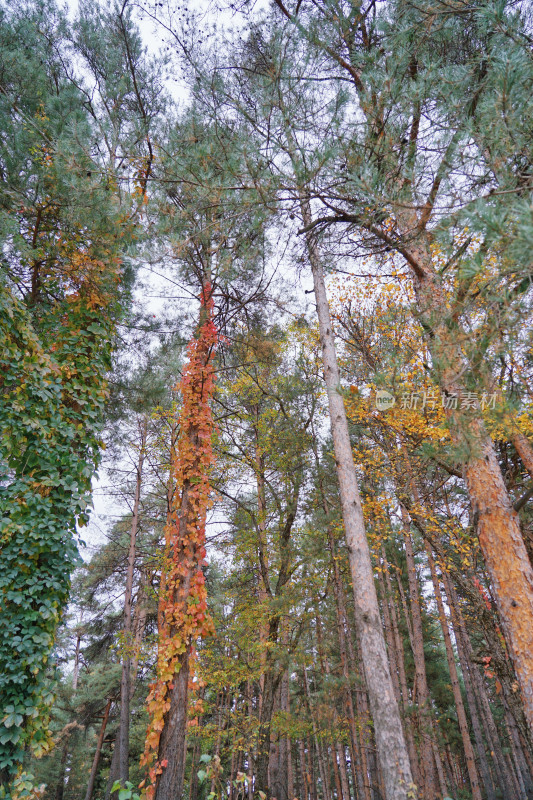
[183, 615]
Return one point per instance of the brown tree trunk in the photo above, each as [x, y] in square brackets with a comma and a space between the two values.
[184, 548]
[457, 696]
[125, 682]
[439, 766]
[282, 789]
[60, 785]
[480, 694]
[304, 772]
[524, 450]
[389, 638]
[96, 759]
[474, 716]
[318, 745]
[359, 766]
[522, 768]
[172, 745]
[406, 701]
[358, 750]
[392, 750]
[424, 699]
[341, 779]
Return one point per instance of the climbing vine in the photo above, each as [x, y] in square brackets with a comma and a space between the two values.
[183, 614]
[50, 418]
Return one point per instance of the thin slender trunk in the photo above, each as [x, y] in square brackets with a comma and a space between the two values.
[345, 784]
[389, 637]
[336, 774]
[392, 750]
[474, 716]
[250, 707]
[262, 548]
[457, 696]
[305, 777]
[193, 782]
[358, 751]
[76, 671]
[440, 768]
[60, 785]
[505, 777]
[413, 756]
[96, 759]
[524, 774]
[318, 745]
[125, 682]
[341, 779]
[283, 789]
[424, 700]
[311, 769]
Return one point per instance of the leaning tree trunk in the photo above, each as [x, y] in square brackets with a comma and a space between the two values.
[497, 523]
[392, 751]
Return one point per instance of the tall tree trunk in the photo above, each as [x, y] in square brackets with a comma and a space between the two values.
[474, 716]
[424, 700]
[96, 759]
[318, 744]
[457, 696]
[60, 785]
[358, 750]
[303, 771]
[262, 549]
[522, 769]
[392, 750]
[282, 789]
[497, 523]
[400, 660]
[270, 685]
[183, 615]
[389, 638]
[172, 745]
[480, 693]
[125, 682]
